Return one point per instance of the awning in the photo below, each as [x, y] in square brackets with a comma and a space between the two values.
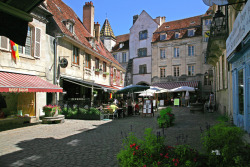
[171, 85]
[108, 87]
[81, 82]
[13, 82]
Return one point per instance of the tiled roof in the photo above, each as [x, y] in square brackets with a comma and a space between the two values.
[121, 39]
[106, 30]
[62, 12]
[180, 26]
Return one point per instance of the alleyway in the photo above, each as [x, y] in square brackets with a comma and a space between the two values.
[92, 143]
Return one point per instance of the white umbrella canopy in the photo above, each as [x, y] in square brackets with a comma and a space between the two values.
[154, 89]
[182, 88]
[146, 94]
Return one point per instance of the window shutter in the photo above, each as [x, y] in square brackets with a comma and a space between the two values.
[4, 42]
[37, 43]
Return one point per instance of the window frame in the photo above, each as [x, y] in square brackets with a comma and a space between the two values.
[143, 34]
[191, 71]
[124, 54]
[176, 52]
[75, 57]
[191, 50]
[162, 50]
[115, 56]
[176, 35]
[143, 51]
[88, 61]
[193, 32]
[176, 71]
[162, 72]
[163, 36]
[143, 69]
[97, 63]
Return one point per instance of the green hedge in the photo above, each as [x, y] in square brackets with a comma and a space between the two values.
[92, 114]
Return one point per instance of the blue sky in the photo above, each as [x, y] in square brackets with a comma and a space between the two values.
[120, 12]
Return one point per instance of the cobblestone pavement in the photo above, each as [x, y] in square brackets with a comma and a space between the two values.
[92, 143]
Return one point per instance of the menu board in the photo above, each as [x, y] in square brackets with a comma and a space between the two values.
[161, 102]
[147, 107]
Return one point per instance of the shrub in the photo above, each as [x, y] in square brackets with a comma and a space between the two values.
[166, 117]
[229, 143]
[50, 110]
[92, 114]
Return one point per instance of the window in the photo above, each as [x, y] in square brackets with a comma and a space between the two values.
[142, 52]
[191, 70]
[71, 27]
[176, 71]
[207, 22]
[207, 80]
[176, 52]
[143, 69]
[143, 34]
[75, 58]
[190, 33]
[28, 43]
[162, 52]
[4, 42]
[241, 91]
[176, 35]
[190, 50]
[163, 36]
[104, 67]
[163, 72]
[121, 45]
[114, 75]
[97, 63]
[124, 57]
[115, 56]
[87, 61]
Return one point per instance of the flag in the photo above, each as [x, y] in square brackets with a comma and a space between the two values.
[14, 50]
[110, 95]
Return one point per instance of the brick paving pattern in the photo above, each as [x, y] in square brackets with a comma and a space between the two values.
[93, 143]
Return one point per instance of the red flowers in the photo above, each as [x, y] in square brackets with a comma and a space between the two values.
[132, 145]
[161, 154]
[137, 147]
[158, 163]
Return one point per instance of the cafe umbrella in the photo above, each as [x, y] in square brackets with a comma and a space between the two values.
[132, 88]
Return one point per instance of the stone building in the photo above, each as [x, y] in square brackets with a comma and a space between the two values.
[178, 55]
[26, 78]
[140, 53]
[91, 67]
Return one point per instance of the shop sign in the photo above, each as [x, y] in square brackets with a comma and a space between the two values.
[18, 90]
[240, 29]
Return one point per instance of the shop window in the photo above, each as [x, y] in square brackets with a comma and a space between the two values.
[241, 91]
[75, 57]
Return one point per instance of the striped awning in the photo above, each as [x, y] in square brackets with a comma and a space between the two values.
[13, 82]
[171, 85]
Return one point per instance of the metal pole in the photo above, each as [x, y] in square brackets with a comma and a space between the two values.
[55, 64]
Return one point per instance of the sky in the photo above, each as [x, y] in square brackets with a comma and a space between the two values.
[120, 12]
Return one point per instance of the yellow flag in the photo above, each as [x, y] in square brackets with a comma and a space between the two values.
[17, 53]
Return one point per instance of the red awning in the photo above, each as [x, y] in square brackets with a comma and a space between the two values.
[12, 82]
[108, 87]
[171, 85]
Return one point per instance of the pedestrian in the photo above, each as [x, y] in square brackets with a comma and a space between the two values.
[130, 108]
[211, 102]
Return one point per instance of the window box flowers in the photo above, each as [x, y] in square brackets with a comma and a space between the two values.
[51, 110]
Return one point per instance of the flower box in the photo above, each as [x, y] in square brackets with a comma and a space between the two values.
[51, 110]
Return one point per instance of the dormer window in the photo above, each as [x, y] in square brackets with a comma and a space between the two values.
[190, 32]
[177, 35]
[192, 22]
[69, 23]
[121, 45]
[163, 36]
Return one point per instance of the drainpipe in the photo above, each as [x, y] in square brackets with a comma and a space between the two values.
[54, 70]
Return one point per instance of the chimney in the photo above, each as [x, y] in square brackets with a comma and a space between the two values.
[88, 17]
[97, 31]
[135, 17]
[160, 20]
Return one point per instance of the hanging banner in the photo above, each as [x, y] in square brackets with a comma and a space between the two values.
[240, 29]
[14, 50]
[216, 2]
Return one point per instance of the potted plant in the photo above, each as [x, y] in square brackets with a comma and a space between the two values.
[51, 110]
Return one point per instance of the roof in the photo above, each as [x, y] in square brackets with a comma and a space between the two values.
[121, 39]
[62, 12]
[171, 85]
[13, 82]
[180, 26]
[106, 30]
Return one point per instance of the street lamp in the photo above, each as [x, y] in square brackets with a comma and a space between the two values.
[218, 23]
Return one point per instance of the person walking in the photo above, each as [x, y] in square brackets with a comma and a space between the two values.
[211, 102]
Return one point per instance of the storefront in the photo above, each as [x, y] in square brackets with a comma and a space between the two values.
[24, 94]
[238, 54]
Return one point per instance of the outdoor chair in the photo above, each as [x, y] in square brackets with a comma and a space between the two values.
[113, 114]
[104, 115]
